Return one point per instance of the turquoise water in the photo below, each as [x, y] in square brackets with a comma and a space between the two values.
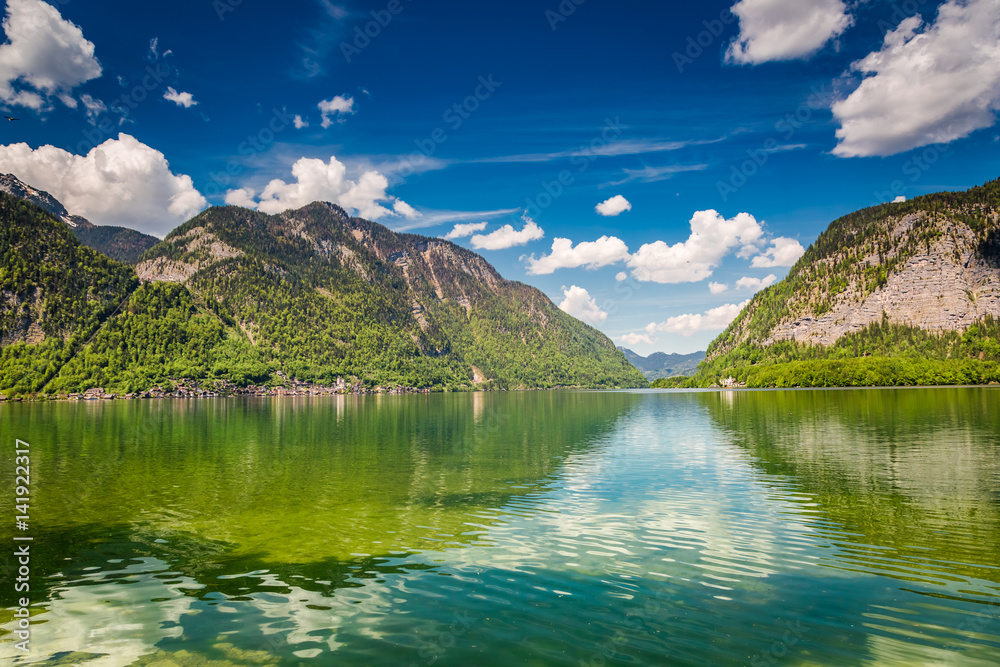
[542, 528]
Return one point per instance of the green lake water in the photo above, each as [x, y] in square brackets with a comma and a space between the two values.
[855, 527]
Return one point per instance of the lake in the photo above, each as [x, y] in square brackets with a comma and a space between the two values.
[840, 527]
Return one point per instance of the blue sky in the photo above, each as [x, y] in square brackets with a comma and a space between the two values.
[722, 143]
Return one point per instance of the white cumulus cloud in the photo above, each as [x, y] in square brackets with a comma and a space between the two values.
[755, 284]
[400, 207]
[718, 288]
[927, 84]
[299, 123]
[582, 306]
[508, 237]
[785, 29]
[590, 254]
[636, 338]
[339, 105]
[436, 217]
[44, 56]
[462, 230]
[715, 319]
[614, 206]
[243, 197]
[783, 252]
[712, 238]
[185, 100]
[121, 182]
[93, 106]
[316, 180]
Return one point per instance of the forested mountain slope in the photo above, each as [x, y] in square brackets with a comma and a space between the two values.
[241, 297]
[335, 294]
[54, 293]
[118, 243]
[916, 280]
[51, 286]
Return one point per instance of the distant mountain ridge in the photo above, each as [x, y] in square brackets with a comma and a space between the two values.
[119, 243]
[312, 295]
[662, 365]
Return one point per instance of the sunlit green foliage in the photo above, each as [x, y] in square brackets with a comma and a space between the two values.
[327, 306]
[863, 249]
[670, 382]
[299, 294]
[52, 289]
[158, 335]
[48, 279]
[882, 354]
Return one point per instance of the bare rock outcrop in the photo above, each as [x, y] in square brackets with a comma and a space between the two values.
[946, 288]
[200, 249]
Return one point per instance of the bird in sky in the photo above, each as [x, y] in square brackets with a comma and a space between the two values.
[9, 118]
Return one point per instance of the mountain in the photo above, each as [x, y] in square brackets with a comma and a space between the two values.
[662, 365]
[916, 282]
[11, 185]
[240, 297]
[119, 243]
[54, 293]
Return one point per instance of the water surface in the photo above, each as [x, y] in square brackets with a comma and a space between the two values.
[545, 528]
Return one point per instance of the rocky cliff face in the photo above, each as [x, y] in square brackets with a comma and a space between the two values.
[948, 287]
[337, 291]
[932, 263]
[432, 268]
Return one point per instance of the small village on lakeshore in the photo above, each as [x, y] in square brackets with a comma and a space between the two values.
[183, 388]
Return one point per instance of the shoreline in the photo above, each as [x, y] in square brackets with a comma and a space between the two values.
[734, 390]
[284, 392]
[185, 391]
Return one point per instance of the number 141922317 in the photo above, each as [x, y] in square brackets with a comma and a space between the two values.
[23, 480]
